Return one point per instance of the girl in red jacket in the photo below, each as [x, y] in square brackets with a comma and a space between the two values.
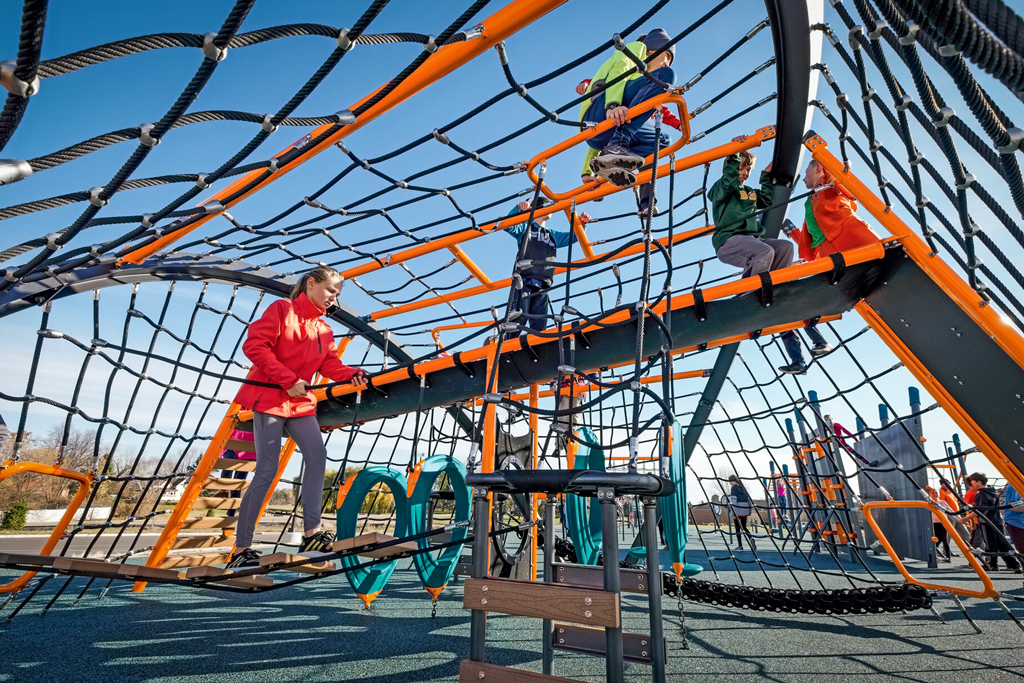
[287, 346]
[831, 223]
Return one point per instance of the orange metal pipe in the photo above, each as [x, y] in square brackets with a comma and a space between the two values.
[687, 374]
[471, 266]
[9, 469]
[448, 58]
[534, 449]
[507, 282]
[989, 591]
[603, 190]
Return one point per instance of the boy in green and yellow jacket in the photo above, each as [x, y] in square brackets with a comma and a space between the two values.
[616, 153]
[739, 238]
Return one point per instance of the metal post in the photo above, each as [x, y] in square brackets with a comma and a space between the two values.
[478, 619]
[654, 589]
[547, 646]
[612, 584]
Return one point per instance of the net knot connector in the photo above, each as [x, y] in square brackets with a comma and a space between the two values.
[15, 85]
[344, 42]
[94, 197]
[1016, 136]
[13, 170]
[213, 207]
[268, 124]
[945, 114]
[492, 397]
[345, 117]
[911, 36]
[431, 45]
[145, 136]
[210, 49]
[968, 181]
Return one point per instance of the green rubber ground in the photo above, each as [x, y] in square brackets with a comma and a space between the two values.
[317, 632]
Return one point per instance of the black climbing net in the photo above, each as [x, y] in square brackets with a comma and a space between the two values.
[127, 371]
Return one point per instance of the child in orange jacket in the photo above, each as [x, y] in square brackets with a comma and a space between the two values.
[831, 223]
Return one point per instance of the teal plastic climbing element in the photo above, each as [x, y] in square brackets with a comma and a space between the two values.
[583, 515]
[436, 572]
[674, 514]
[369, 581]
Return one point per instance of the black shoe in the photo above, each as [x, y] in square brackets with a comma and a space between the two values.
[794, 368]
[821, 349]
[620, 177]
[244, 558]
[615, 156]
[320, 542]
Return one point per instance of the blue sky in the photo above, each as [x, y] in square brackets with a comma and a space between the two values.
[138, 89]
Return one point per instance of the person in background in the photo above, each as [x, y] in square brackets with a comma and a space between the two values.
[947, 496]
[741, 506]
[938, 528]
[571, 393]
[1014, 518]
[986, 510]
[231, 454]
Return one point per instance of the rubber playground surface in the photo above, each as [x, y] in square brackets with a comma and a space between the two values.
[317, 632]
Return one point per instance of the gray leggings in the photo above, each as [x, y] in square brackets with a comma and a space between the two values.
[267, 432]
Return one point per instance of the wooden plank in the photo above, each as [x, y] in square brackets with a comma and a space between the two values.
[226, 484]
[281, 558]
[140, 572]
[195, 560]
[209, 503]
[543, 601]
[235, 465]
[475, 672]
[37, 560]
[244, 426]
[636, 647]
[373, 539]
[80, 567]
[189, 542]
[587, 576]
[254, 581]
[209, 522]
[237, 445]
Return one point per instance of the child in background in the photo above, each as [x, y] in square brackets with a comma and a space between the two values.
[229, 454]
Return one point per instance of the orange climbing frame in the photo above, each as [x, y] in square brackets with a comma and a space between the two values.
[9, 469]
[955, 287]
[497, 27]
[988, 591]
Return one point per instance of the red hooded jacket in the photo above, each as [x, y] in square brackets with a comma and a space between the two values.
[288, 343]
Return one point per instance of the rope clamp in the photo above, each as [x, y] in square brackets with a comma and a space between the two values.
[945, 114]
[210, 49]
[566, 370]
[876, 32]
[492, 397]
[201, 182]
[145, 138]
[268, 124]
[905, 104]
[345, 117]
[1016, 138]
[968, 181]
[213, 207]
[430, 46]
[441, 137]
[618, 42]
[344, 42]
[911, 37]
[949, 50]
[15, 85]
[94, 197]
[13, 170]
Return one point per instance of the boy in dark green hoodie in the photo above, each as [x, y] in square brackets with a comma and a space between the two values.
[739, 237]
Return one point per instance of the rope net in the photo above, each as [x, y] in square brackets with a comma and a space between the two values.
[124, 325]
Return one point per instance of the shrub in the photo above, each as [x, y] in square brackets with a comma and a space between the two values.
[14, 518]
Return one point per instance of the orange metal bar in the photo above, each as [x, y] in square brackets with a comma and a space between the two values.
[864, 254]
[448, 58]
[953, 285]
[534, 449]
[9, 469]
[603, 190]
[471, 266]
[654, 103]
[581, 233]
[687, 374]
[507, 282]
[192, 491]
[989, 591]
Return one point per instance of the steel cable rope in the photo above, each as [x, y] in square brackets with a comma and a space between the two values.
[134, 513]
[127, 238]
[191, 91]
[202, 76]
[21, 82]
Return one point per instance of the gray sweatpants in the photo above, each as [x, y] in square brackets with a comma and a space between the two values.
[267, 432]
[756, 255]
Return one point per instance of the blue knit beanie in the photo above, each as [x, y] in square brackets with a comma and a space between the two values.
[657, 39]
